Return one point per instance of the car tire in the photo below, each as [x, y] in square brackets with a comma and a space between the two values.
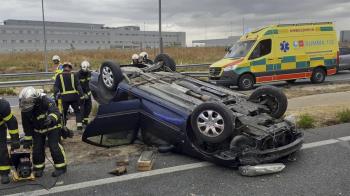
[212, 122]
[291, 81]
[110, 75]
[273, 98]
[168, 62]
[318, 75]
[246, 82]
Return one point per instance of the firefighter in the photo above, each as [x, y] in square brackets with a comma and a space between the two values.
[41, 120]
[58, 67]
[135, 59]
[68, 89]
[7, 121]
[144, 58]
[84, 76]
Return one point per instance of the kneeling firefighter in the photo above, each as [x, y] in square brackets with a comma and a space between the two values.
[68, 89]
[41, 120]
[84, 77]
[7, 121]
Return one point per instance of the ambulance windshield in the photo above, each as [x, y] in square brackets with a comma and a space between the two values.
[240, 49]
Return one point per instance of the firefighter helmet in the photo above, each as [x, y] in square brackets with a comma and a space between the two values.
[27, 98]
[85, 65]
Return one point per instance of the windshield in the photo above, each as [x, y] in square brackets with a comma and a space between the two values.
[240, 49]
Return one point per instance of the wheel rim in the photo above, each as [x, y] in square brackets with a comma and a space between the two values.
[210, 123]
[247, 83]
[107, 77]
[319, 76]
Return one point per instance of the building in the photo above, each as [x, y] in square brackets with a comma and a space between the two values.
[27, 35]
[225, 42]
[344, 36]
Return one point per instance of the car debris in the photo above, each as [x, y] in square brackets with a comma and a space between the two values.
[258, 170]
[190, 116]
[121, 165]
[146, 161]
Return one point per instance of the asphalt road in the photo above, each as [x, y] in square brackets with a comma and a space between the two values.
[321, 168]
[341, 76]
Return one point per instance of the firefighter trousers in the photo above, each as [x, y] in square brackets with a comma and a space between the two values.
[76, 107]
[4, 155]
[86, 109]
[56, 149]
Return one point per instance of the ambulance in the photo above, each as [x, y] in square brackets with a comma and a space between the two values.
[284, 52]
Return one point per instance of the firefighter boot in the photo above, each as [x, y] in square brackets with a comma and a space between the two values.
[38, 173]
[59, 172]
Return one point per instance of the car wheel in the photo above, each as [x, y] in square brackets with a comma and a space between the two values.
[273, 98]
[111, 75]
[168, 62]
[318, 76]
[212, 122]
[291, 81]
[246, 82]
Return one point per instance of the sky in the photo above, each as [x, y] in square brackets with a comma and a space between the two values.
[200, 19]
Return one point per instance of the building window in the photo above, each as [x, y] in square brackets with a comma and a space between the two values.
[91, 41]
[37, 41]
[97, 42]
[21, 41]
[30, 41]
[66, 41]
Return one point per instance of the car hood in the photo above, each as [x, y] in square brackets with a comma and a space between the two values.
[226, 62]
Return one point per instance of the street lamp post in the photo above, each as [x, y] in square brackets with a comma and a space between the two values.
[44, 32]
[160, 28]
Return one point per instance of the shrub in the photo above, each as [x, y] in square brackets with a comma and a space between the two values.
[343, 116]
[305, 121]
[7, 91]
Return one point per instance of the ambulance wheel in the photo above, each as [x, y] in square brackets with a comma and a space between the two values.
[110, 75]
[246, 82]
[318, 76]
[168, 63]
[273, 98]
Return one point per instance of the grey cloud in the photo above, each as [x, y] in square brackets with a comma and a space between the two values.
[200, 18]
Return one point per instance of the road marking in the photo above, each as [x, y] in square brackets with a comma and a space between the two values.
[92, 183]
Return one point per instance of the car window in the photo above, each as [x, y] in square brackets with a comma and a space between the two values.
[240, 49]
[262, 48]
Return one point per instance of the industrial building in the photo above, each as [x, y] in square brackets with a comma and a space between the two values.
[27, 35]
[225, 42]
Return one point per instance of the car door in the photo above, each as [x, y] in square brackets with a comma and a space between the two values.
[261, 63]
[344, 58]
[115, 124]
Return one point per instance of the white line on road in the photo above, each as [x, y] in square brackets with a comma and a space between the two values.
[168, 170]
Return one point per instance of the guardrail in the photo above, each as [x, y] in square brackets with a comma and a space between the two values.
[48, 74]
[44, 82]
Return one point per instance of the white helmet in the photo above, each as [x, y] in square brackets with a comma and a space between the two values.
[27, 98]
[135, 57]
[144, 55]
[85, 65]
[56, 58]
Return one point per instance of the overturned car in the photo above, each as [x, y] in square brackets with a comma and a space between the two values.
[195, 117]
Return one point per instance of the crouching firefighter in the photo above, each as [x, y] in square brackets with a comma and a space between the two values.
[68, 89]
[84, 76]
[7, 121]
[41, 120]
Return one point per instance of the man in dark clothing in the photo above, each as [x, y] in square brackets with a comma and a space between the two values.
[84, 76]
[41, 120]
[68, 88]
[144, 58]
[7, 121]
